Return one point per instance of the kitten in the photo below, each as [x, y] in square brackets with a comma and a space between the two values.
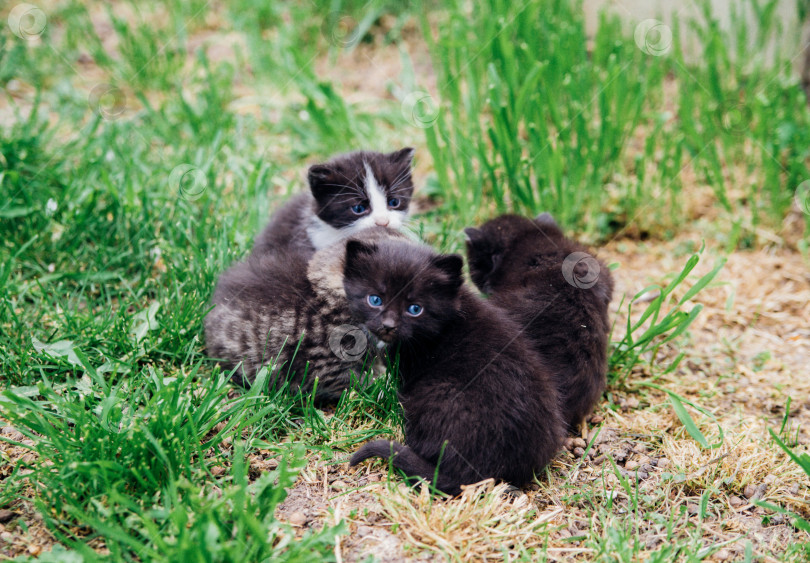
[532, 271]
[478, 401]
[267, 304]
[349, 193]
[277, 309]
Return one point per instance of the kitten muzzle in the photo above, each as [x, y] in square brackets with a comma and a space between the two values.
[386, 334]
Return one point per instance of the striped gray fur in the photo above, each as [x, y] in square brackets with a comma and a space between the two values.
[268, 306]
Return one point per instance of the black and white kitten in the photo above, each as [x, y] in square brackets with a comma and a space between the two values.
[349, 193]
[558, 291]
[478, 401]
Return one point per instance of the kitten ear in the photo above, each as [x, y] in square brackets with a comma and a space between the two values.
[451, 264]
[356, 252]
[402, 157]
[546, 220]
[317, 175]
[474, 236]
[318, 172]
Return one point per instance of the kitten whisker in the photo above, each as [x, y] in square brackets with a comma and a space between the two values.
[344, 199]
[403, 187]
[399, 190]
[401, 177]
[345, 189]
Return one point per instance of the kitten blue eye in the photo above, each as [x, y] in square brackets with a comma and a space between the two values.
[393, 202]
[359, 209]
[375, 300]
[415, 310]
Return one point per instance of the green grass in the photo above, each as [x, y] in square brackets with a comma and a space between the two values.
[662, 321]
[533, 120]
[126, 190]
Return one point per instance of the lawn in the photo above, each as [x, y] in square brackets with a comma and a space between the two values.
[144, 144]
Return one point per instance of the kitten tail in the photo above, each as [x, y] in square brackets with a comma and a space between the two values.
[405, 459]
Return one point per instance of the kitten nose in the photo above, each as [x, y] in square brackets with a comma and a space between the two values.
[389, 322]
[382, 221]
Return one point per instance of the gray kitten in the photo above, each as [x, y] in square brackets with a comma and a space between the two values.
[277, 310]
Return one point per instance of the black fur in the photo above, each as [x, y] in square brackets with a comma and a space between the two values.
[406, 459]
[519, 263]
[479, 402]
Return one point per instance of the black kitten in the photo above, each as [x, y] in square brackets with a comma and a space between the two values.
[478, 401]
[347, 194]
[559, 292]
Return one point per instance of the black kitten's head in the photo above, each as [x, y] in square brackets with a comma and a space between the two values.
[401, 291]
[363, 189]
[502, 250]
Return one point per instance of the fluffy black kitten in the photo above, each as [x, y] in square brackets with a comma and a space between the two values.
[479, 402]
[559, 292]
[349, 193]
